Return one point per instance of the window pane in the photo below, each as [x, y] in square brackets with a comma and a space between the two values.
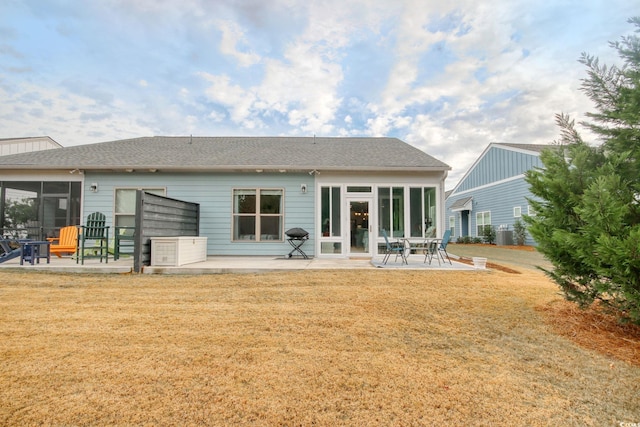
[270, 201]
[398, 212]
[384, 210]
[126, 220]
[331, 248]
[415, 203]
[55, 187]
[126, 201]
[430, 211]
[244, 228]
[244, 201]
[54, 212]
[74, 214]
[325, 208]
[21, 207]
[360, 189]
[270, 228]
[335, 211]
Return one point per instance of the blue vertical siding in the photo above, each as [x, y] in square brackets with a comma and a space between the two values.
[498, 164]
[214, 194]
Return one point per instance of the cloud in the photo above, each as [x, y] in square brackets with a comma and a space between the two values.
[237, 100]
[68, 118]
[447, 77]
[232, 36]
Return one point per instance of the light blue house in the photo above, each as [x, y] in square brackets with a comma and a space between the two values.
[250, 190]
[493, 191]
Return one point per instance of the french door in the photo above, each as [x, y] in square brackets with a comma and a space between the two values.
[360, 241]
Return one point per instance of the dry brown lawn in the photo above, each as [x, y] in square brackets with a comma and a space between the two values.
[360, 347]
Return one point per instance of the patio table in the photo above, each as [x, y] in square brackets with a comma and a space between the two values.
[31, 251]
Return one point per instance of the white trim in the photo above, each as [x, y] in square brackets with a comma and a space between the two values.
[494, 183]
[47, 175]
[519, 214]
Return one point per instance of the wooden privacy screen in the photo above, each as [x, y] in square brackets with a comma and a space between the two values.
[158, 216]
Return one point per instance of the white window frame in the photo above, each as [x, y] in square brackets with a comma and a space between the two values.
[481, 221]
[258, 216]
[517, 212]
[452, 225]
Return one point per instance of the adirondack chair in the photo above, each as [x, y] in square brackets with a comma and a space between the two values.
[124, 241]
[97, 231]
[66, 243]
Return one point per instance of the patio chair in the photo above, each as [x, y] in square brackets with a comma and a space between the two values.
[124, 241]
[398, 248]
[438, 248]
[97, 231]
[66, 243]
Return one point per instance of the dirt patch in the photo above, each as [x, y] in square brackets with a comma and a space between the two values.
[594, 329]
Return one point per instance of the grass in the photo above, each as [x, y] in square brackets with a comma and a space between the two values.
[333, 347]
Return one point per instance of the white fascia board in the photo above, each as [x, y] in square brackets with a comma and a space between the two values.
[493, 184]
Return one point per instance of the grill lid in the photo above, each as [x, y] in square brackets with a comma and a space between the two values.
[297, 232]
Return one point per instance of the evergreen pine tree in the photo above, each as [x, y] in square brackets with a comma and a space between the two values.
[587, 204]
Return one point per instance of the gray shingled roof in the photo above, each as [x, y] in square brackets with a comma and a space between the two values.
[461, 204]
[232, 153]
[529, 147]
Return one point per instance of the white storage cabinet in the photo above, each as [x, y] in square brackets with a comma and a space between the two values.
[177, 251]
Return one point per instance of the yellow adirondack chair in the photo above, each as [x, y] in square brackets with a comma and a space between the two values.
[67, 243]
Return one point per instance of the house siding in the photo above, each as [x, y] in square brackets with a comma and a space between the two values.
[214, 194]
[26, 145]
[498, 164]
[497, 185]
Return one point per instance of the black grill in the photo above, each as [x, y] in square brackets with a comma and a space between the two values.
[297, 233]
[296, 238]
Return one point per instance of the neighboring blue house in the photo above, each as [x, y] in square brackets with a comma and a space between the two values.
[251, 190]
[493, 191]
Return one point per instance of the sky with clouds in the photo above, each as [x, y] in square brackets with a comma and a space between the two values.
[448, 77]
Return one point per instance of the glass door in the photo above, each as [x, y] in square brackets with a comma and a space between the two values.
[359, 228]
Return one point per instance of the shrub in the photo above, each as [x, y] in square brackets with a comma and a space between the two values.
[520, 232]
[489, 234]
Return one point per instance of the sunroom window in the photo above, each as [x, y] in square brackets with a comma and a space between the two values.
[391, 211]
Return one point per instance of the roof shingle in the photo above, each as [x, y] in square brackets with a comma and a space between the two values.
[227, 153]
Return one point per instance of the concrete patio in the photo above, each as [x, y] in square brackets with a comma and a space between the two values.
[230, 264]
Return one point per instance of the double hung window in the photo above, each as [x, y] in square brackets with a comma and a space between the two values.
[483, 219]
[257, 214]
